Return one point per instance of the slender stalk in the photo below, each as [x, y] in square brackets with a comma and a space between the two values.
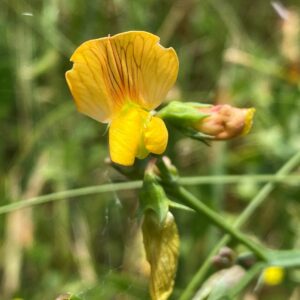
[253, 272]
[111, 187]
[69, 194]
[217, 190]
[190, 200]
[246, 214]
[232, 179]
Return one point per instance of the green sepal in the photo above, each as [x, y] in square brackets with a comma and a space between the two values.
[153, 197]
[182, 113]
[194, 134]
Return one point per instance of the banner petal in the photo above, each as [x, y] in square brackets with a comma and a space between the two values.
[130, 66]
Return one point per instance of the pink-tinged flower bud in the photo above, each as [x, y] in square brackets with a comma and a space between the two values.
[225, 122]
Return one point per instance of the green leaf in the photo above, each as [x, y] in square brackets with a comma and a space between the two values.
[284, 258]
[194, 134]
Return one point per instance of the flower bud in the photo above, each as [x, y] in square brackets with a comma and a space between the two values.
[224, 122]
[202, 121]
[224, 259]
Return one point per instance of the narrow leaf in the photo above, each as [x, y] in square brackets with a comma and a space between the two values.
[284, 258]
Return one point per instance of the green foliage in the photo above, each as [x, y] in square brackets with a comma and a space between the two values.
[285, 258]
[230, 52]
[153, 197]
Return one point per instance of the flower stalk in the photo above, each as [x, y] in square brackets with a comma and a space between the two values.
[169, 177]
[246, 214]
[191, 201]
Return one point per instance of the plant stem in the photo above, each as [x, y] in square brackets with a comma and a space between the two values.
[111, 187]
[231, 179]
[190, 200]
[253, 272]
[254, 204]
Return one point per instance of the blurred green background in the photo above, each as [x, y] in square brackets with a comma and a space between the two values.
[242, 52]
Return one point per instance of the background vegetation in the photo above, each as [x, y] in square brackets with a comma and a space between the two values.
[245, 53]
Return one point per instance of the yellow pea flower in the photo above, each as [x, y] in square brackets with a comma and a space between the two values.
[273, 275]
[119, 80]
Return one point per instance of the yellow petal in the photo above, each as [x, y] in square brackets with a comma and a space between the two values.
[125, 134]
[248, 120]
[162, 248]
[156, 136]
[109, 71]
[273, 275]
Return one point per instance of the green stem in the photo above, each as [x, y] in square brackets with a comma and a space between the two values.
[231, 179]
[245, 281]
[254, 204]
[190, 200]
[111, 187]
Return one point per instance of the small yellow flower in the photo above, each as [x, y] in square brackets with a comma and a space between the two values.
[118, 80]
[273, 275]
